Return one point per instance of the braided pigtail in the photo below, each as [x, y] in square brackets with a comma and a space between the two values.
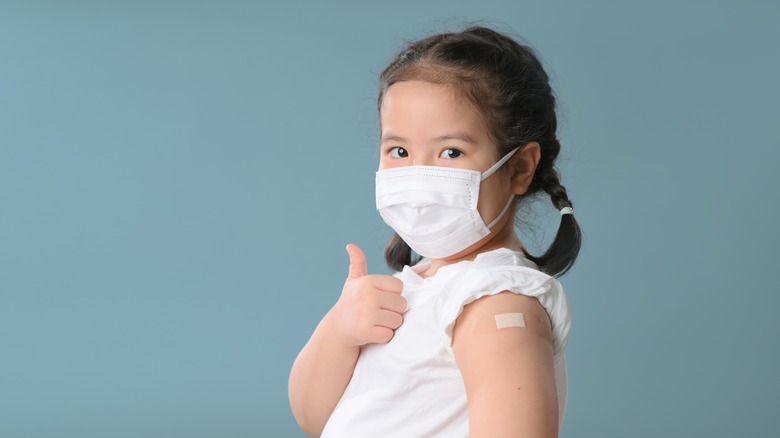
[563, 251]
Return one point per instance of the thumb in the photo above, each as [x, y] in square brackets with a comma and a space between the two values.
[357, 261]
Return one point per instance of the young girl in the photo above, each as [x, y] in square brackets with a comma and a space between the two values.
[470, 340]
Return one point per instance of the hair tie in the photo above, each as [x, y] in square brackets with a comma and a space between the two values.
[567, 210]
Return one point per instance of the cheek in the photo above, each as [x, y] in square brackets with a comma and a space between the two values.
[493, 195]
[386, 163]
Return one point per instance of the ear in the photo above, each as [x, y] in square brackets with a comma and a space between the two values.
[523, 165]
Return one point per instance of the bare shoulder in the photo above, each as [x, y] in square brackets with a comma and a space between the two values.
[504, 313]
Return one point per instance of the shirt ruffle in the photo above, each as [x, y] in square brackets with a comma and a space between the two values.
[477, 282]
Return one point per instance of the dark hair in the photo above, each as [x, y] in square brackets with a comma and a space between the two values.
[507, 83]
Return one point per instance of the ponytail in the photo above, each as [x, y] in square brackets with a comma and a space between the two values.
[398, 253]
[563, 251]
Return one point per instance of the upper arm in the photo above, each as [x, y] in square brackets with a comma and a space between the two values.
[508, 372]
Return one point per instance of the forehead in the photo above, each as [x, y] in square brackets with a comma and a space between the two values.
[425, 108]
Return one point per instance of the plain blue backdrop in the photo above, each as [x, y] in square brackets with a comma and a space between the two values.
[178, 181]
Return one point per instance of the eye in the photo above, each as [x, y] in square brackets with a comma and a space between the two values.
[398, 152]
[450, 153]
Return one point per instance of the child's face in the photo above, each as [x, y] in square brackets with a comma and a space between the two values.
[427, 124]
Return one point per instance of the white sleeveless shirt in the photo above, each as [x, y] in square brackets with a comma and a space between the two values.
[411, 387]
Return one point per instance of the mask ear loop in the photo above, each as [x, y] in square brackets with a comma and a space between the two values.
[489, 172]
[500, 215]
[500, 163]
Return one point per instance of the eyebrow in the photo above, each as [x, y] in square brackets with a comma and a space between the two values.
[458, 135]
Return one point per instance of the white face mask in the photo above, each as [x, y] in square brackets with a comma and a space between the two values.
[434, 208]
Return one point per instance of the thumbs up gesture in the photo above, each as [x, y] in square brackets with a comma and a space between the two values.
[370, 307]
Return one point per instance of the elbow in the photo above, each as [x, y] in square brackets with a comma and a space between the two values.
[306, 417]
[312, 431]
[308, 425]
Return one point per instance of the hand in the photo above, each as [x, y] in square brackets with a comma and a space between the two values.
[370, 307]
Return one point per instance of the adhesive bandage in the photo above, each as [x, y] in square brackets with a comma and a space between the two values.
[504, 320]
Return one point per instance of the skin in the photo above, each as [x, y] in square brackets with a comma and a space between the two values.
[508, 372]
[414, 114]
[369, 309]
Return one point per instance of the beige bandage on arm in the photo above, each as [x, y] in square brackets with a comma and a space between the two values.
[504, 320]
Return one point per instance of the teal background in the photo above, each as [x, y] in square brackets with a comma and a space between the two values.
[178, 181]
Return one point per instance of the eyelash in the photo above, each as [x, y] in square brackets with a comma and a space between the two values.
[457, 151]
[397, 151]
